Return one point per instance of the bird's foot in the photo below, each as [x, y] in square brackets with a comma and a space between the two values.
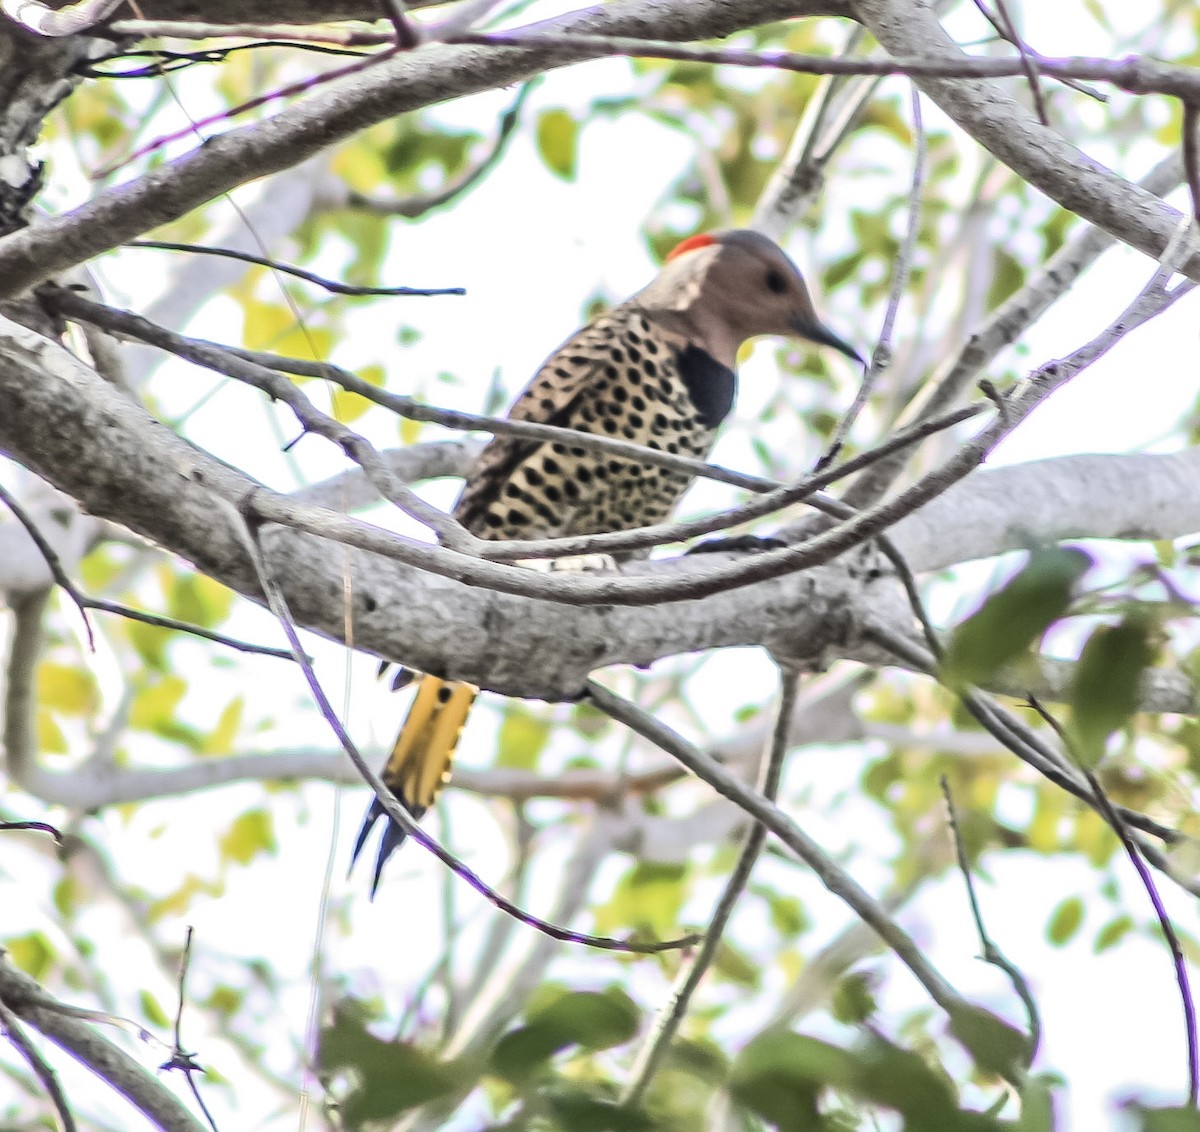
[753, 543]
[584, 564]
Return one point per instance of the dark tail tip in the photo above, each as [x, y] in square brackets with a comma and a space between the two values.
[393, 838]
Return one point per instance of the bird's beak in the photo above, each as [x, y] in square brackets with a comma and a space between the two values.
[817, 332]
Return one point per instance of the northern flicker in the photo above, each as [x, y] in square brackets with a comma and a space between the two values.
[658, 371]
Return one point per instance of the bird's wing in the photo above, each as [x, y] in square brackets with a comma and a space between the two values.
[547, 399]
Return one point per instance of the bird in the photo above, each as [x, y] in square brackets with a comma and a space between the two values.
[657, 370]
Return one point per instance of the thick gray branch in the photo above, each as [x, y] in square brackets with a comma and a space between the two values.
[1089, 496]
[66, 423]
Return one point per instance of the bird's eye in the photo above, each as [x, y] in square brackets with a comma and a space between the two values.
[776, 282]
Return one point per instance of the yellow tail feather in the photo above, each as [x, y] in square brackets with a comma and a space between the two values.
[419, 765]
[420, 762]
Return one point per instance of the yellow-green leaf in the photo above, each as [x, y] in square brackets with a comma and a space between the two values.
[1065, 920]
[199, 600]
[558, 141]
[347, 406]
[66, 689]
[523, 735]
[32, 953]
[252, 833]
[220, 739]
[151, 1009]
[50, 737]
[154, 706]
[1112, 933]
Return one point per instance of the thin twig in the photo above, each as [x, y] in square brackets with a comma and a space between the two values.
[221, 358]
[42, 1069]
[406, 35]
[1003, 23]
[806, 489]
[299, 87]
[391, 806]
[331, 285]
[881, 356]
[180, 1059]
[355, 446]
[168, 62]
[39, 826]
[1119, 827]
[990, 952]
[101, 605]
[831, 875]
[672, 1013]
[412, 207]
[1136, 75]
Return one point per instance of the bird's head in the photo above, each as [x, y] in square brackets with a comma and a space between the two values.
[736, 284]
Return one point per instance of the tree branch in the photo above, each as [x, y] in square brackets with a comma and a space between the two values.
[22, 995]
[403, 82]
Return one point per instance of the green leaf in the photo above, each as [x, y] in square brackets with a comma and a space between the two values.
[1016, 615]
[996, 1046]
[1104, 688]
[66, 689]
[558, 141]
[580, 1112]
[390, 1077]
[1065, 921]
[1008, 273]
[1112, 933]
[153, 707]
[152, 1011]
[32, 953]
[778, 1076]
[198, 599]
[590, 1019]
[787, 913]
[853, 999]
[151, 642]
[252, 833]
[648, 898]
[1037, 1107]
[736, 966]
[220, 739]
[50, 737]
[522, 738]
[1169, 1120]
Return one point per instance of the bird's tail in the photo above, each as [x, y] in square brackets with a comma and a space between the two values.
[419, 764]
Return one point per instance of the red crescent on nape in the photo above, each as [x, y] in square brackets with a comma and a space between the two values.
[703, 240]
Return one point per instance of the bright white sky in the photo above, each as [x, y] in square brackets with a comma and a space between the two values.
[531, 250]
